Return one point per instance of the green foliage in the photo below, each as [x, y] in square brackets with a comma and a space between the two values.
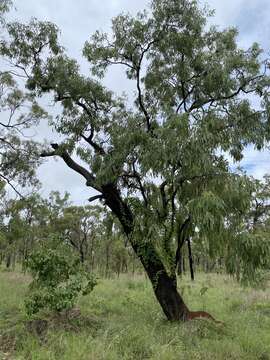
[158, 158]
[19, 156]
[58, 280]
[5, 6]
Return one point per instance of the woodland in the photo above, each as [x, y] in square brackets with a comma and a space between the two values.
[170, 202]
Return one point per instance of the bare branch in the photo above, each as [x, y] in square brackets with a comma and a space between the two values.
[8, 143]
[140, 96]
[197, 104]
[90, 179]
[181, 238]
[98, 149]
[96, 197]
[11, 185]
[137, 176]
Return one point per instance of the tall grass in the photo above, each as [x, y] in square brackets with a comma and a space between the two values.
[121, 319]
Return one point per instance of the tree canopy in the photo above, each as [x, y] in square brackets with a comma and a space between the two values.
[158, 160]
[19, 154]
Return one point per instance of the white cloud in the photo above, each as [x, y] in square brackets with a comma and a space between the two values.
[256, 163]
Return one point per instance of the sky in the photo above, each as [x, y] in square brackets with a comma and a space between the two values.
[78, 19]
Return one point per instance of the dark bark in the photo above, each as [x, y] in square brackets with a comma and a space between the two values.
[13, 261]
[179, 265]
[165, 288]
[164, 285]
[107, 260]
[8, 261]
[82, 258]
[133, 264]
[181, 238]
[206, 265]
[190, 259]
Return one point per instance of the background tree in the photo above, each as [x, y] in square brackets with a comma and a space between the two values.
[19, 156]
[79, 229]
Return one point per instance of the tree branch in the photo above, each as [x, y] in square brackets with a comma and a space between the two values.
[197, 104]
[11, 185]
[90, 179]
[181, 239]
[96, 197]
[98, 149]
[140, 96]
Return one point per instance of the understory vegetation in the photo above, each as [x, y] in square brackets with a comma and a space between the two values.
[120, 319]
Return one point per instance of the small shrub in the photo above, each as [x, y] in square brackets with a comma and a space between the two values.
[58, 280]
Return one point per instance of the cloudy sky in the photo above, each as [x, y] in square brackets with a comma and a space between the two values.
[78, 19]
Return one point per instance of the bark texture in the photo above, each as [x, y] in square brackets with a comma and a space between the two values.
[164, 286]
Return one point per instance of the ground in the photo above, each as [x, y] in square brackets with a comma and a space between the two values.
[120, 319]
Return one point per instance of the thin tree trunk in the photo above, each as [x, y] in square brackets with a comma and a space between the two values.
[190, 260]
[8, 260]
[92, 254]
[183, 264]
[13, 261]
[206, 265]
[81, 251]
[198, 262]
[107, 263]
[133, 264]
[179, 265]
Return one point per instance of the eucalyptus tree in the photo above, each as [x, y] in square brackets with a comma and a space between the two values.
[156, 160]
[13, 231]
[79, 225]
[2, 232]
[253, 249]
[20, 226]
[112, 250]
[27, 223]
[18, 112]
[260, 207]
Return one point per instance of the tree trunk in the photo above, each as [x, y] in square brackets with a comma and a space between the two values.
[206, 265]
[165, 289]
[179, 265]
[81, 251]
[92, 254]
[8, 260]
[107, 261]
[133, 264]
[198, 262]
[183, 264]
[190, 260]
[164, 286]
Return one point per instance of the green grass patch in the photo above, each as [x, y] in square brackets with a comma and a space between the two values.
[121, 319]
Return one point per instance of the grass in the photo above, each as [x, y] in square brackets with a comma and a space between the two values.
[120, 319]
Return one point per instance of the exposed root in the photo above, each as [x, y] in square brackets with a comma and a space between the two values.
[201, 314]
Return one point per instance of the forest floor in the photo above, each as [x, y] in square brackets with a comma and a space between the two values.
[120, 319]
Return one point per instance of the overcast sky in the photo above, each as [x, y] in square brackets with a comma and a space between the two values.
[78, 19]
